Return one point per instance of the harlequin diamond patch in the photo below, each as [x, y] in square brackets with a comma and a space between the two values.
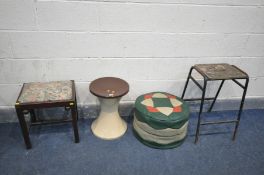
[163, 103]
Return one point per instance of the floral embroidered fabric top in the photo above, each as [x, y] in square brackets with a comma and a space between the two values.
[46, 91]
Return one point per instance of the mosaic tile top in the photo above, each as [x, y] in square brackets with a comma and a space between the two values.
[220, 71]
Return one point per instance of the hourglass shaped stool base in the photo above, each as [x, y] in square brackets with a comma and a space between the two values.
[109, 90]
[109, 125]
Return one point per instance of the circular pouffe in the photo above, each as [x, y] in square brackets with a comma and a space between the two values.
[160, 120]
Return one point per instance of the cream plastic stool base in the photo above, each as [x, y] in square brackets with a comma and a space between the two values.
[109, 125]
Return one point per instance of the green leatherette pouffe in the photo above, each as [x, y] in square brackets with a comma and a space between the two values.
[161, 120]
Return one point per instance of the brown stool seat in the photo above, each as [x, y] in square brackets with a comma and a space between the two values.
[109, 87]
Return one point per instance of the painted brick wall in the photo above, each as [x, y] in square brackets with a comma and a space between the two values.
[149, 43]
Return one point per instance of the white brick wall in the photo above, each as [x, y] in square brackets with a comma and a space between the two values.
[150, 43]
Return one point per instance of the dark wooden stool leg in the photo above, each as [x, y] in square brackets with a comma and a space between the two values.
[200, 112]
[76, 107]
[74, 123]
[240, 109]
[33, 116]
[187, 81]
[24, 127]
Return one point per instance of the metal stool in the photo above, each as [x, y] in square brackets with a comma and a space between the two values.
[213, 72]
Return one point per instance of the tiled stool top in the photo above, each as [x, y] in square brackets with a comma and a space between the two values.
[220, 71]
[46, 91]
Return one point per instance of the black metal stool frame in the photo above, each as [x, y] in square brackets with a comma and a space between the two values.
[203, 89]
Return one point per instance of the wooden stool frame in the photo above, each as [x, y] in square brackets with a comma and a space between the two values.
[203, 89]
[22, 108]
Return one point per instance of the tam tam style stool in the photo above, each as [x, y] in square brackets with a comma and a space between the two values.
[46, 95]
[109, 90]
[160, 120]
[217, 72]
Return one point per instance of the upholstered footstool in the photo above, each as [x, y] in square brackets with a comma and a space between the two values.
[160, 120]
[46, 95]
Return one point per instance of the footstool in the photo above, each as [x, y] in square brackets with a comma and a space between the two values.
[46, 95]
[160, 120]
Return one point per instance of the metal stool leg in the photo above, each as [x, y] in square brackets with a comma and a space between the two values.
[241, 108]
[187, 81]
[218, 91]
[200, 112]
[24, 127]
[74, 124]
